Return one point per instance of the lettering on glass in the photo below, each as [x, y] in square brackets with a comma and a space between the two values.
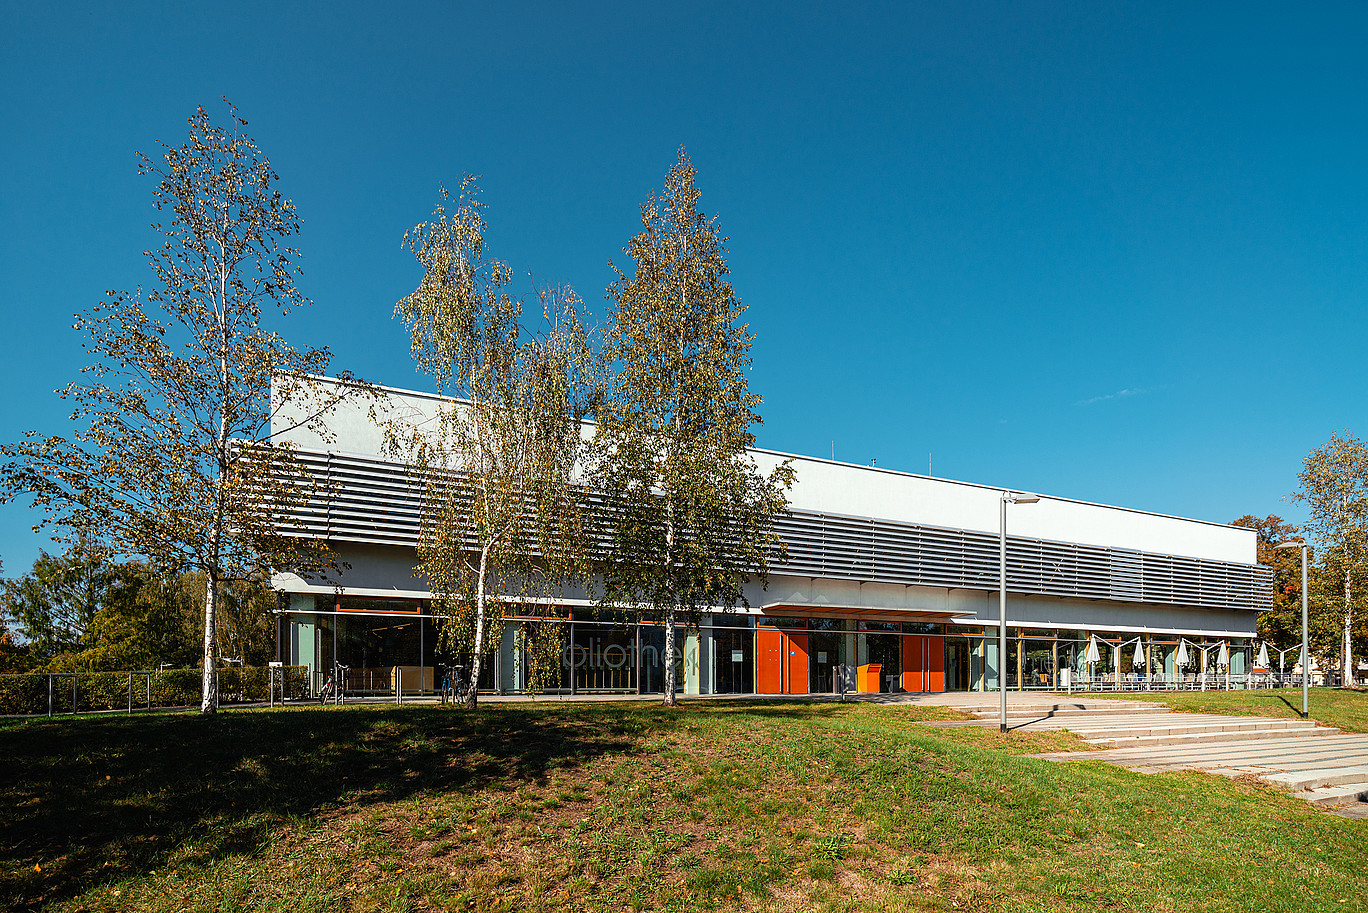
[599, 655]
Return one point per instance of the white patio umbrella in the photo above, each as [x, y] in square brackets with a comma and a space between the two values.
[1223, 658]
[1262, 660]
[1139, 659]
[1116, 657]
[1093, 655]
[1181, 658]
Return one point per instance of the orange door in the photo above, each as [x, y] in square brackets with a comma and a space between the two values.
[924, 663]
[769, 661]
[914, 664]
[935, 662]
[797, 663]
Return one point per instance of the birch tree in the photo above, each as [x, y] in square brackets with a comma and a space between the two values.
[500, 525]
[1334, 486]
[172, 459]
[690, 516]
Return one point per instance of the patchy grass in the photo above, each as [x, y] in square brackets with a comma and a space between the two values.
[1343, 708]
[718, 805]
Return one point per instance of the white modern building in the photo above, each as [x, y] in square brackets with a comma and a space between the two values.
[890, 573]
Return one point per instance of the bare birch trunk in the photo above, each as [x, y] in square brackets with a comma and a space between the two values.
[669, 659]
[670, 531]
[1347, 672]
[209, 696]
[476, 661]
[209, 692]
[670, 609]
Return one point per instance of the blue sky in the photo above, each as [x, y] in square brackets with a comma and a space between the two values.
[1116, 252]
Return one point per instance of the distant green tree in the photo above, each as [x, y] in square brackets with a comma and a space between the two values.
[691, 516]
[144, 620]
[54, 605]
[1334, 486]
[14, 656]
[85, 613]
[1280, 627]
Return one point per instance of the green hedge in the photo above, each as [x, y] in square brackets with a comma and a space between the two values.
[28, 693]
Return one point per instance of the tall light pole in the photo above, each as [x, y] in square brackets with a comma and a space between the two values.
[1008, 497]
[1305, 655]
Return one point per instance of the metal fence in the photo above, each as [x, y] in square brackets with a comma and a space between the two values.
[1209, 681]
[54, 693]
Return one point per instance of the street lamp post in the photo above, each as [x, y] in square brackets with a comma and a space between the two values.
[1008, 497]
[1305, 654]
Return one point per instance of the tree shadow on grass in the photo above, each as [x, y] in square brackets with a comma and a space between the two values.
[86, 802]
[801, 708]
[1296, 709]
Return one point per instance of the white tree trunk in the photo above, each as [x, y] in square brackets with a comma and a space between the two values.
[671, 608]
[476, 661]
[1347, 673]
[669, 658]
[209, 697]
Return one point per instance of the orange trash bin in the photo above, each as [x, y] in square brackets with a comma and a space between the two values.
[867, 678]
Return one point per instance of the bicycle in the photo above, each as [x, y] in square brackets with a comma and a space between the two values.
[453, 685]
[335, 688]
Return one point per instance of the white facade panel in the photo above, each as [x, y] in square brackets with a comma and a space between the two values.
[855, 491]
[865, 491]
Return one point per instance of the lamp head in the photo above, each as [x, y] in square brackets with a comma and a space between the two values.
[1021, 497]
[1292, 543]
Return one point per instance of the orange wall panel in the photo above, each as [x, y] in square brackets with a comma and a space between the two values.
[769, 661]
[913, 675]
[797, 663]
[935, 646]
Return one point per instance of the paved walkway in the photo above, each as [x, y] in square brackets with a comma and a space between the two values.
[1324, 766]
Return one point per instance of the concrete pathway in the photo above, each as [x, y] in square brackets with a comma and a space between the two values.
[1324, 766]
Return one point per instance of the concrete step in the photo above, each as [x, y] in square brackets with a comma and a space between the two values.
[1320, 778]
[1195, 738]
[1178, 727]
[1179, 722]
[1085, 711]
[1042, 711]
[1271, 755]
[1335, 796]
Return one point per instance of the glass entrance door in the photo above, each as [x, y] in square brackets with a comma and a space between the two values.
[957, 675]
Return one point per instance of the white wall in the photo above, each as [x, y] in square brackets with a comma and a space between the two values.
[863, 491]
[356, 423]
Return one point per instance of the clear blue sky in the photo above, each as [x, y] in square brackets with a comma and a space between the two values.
[1117, 252]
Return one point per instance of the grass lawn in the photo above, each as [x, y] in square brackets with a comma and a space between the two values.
[718, 805]
[1343, 708]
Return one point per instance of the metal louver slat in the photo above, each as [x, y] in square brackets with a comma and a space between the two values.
[368, 500]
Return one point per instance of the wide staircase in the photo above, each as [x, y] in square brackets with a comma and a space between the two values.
[1324, 766]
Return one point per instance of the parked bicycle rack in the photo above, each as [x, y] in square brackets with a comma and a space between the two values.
[146, 675]
[53, 675]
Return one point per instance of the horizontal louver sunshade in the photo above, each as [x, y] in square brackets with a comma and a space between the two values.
[376, 501]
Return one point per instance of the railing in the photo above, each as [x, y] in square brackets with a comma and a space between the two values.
[54, 693]
[1183, 681]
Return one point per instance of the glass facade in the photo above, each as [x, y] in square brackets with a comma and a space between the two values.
[388, 644]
